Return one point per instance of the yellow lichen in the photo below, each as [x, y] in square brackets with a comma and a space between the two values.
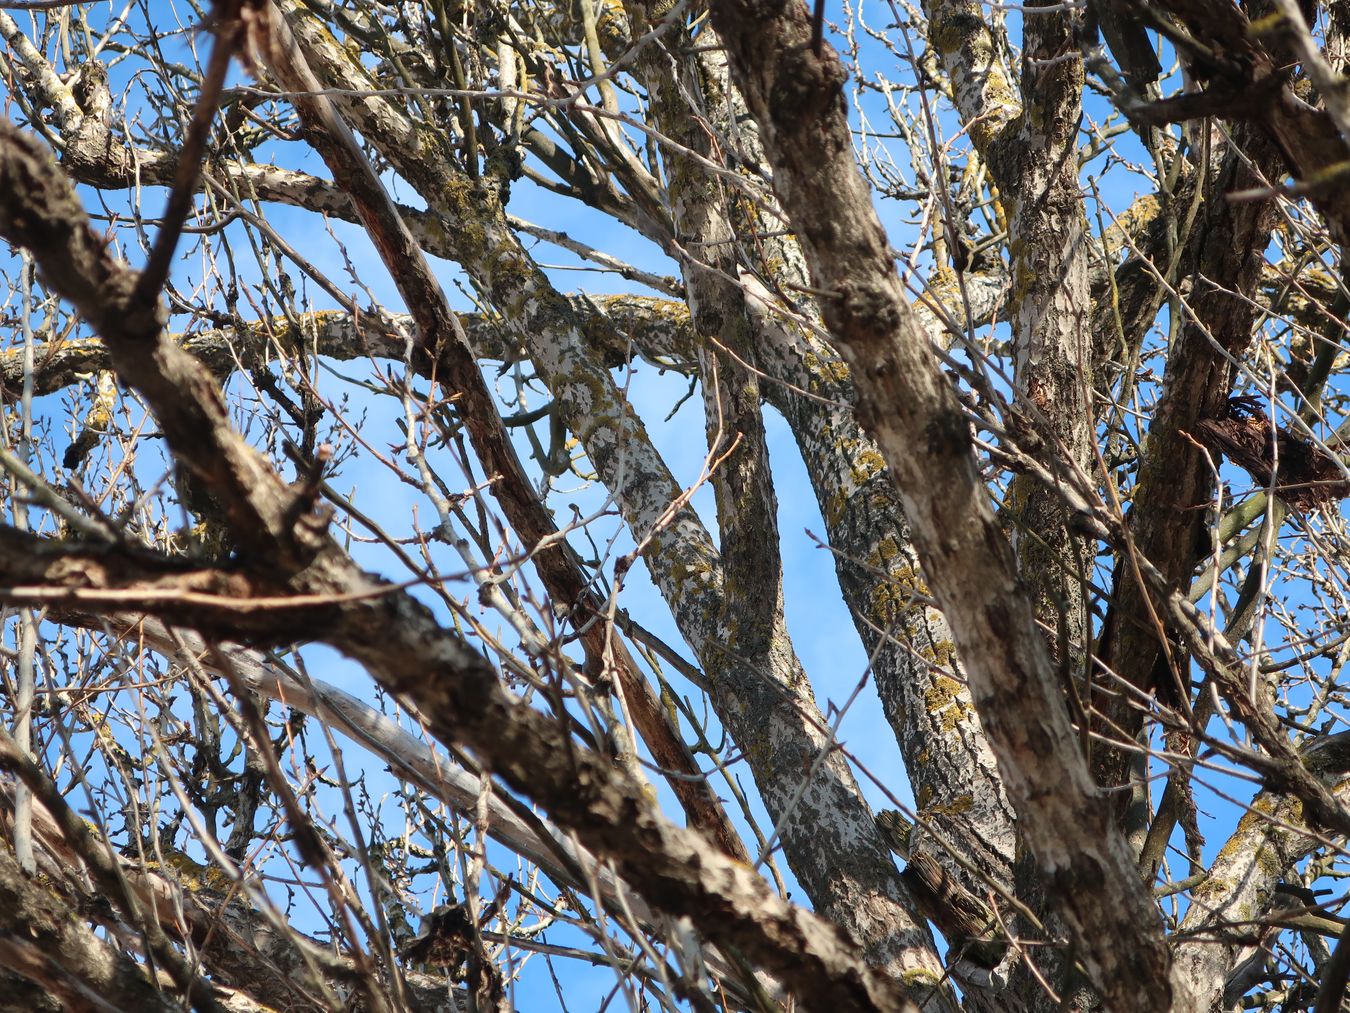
[952, 807]
[943, 698]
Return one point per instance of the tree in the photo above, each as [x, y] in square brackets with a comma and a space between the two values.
[1053, 323]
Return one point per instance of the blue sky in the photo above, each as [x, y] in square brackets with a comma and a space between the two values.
[822, 630]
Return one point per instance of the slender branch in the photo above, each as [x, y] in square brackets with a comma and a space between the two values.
[408, 652]
[229, 25]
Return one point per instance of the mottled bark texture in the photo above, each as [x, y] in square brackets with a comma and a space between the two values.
[1035, 160]
[967, 821]
[829, 840]
[1030, 143]
[731, 351]
[59, 959]
[445, 354]
[1031, 146]
[951, 769]
[904, 399]
[962, 806]
[387, 630]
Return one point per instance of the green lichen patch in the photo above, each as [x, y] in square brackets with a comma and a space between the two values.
[943, 700]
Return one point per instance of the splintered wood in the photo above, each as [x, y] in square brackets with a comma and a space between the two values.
[1302, 474]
